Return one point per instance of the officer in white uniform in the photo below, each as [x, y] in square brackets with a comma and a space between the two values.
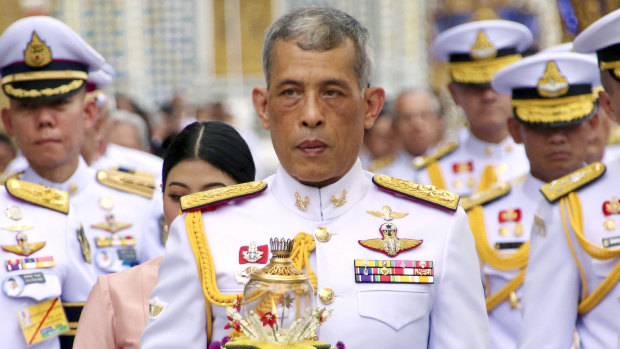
[316, 106]
[475, 51]
[574, 264]
[555, 134]
[45, 262]
[44, 68]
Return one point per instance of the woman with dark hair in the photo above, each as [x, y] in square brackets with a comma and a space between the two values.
[205, 155]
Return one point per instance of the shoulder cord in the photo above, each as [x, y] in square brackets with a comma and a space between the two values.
[572, 205]
[434, 172]
[488, 178]
[496, 259]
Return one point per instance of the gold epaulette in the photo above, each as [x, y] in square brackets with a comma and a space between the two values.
[130, 183]
[495, 192]
[381, 162]
[427, 193]
[215, 196]
[421, 162]
[571, 182]
[54, 199]
[133, 172]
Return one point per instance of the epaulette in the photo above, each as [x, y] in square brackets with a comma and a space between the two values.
[133, 172]
[571, 182]
[421, 162]
[130, 183]
[428, 193]
[381, 162]
[54, 199]
[197, 201]
[495, 192]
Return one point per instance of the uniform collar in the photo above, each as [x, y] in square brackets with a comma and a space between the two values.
[482, 149]
[531, 187]
[320, 203]
[78, 181]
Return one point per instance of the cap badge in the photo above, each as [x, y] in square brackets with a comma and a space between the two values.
[482, 48]
[37, 54]
[553, 83]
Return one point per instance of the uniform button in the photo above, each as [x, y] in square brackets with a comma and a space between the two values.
[322, 234]
[326, 295]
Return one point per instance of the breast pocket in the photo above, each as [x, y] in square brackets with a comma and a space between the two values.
[396, 309]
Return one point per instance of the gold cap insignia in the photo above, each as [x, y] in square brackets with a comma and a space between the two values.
[482, 48]
[37, 54]
[553, 83]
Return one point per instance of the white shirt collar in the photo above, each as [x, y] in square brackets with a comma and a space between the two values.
[480, 148]
[78, 181]
[531, 187]
[322, 203]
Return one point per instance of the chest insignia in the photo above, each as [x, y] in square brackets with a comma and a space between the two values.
[387, 214]
[23, 247]
[253, 254]
[15, 213]
[508, 216]
[110, 224]
[610, 207]
[389, 244]
[393, 271]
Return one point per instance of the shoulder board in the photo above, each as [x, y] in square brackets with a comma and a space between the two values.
[421, 162]
[54, 199]
[427, 193]
[569, 183]
[130, 183]
[216, 196]
[134, 172]
[495, 192]
[381, 162]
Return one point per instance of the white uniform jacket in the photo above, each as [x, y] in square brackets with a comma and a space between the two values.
[462, 169]
[553, 283]
[401, 167]
[58, 269]
[448, 313]
[143, 215]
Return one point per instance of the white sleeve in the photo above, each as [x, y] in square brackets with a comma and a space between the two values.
[459, 318]
[151, 245]
[182, 322]
[551, 286]
[79, 275]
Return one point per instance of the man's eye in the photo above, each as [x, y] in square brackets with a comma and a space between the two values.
[289, 92]
[174, 197]
[332, 93]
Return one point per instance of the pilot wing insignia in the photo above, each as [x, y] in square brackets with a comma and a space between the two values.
[389, 244]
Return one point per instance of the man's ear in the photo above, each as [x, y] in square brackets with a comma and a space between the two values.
[604, 100]
[8, 123]
[90, 113]
[259, 98]
[375, 98]
[514, 128]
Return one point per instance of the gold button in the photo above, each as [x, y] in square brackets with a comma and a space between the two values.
[326, 295]
[322, 234]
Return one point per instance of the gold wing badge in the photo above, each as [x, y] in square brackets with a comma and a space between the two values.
[23, 248]
[387, 214]
[389, 243]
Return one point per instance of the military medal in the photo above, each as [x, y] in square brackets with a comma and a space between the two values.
[609, 208]
[510, 215]
[29, 263]
[23, 248]
[393, 271]
[341, 200]
[15, 213]
[389, 243]
[253, 254]
[301, 204]
[110, 224]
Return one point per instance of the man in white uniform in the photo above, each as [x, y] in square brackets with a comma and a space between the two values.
[475, 51]
[317, 103]
[555, 134]
[574, 264]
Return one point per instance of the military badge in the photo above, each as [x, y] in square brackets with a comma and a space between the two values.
[301, 204]
[387, 214]
[510, 215]
[552, 84]
[389, 243]
[15, 213]
[111, 224]
[156, 308]
[37, 54]
[610, 207]
[393, 271]
[23, 247]
[84, 244]
[339, 201]
[482, 48]
[253, 254]
[29, 263]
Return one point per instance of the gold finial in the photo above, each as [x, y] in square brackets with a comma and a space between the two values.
[280, 267]
[552, 83]
[301, 204]
[37, 54]
[482, 48]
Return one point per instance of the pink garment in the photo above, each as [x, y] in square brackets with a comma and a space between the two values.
[116, 311]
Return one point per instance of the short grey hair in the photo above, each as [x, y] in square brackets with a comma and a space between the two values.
[432, 98]
[126, 117]
[321, 29]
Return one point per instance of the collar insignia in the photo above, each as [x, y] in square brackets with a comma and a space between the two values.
[340, 200]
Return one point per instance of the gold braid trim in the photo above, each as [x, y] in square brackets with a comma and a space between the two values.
[504, 293]
[564, 109]
[487, 179]
[434, 172]
[303, 245]
[572, 205]
[478, 72]
[62, 89]
[496, 259]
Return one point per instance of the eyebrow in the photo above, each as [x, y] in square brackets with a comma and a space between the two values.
[204, 187]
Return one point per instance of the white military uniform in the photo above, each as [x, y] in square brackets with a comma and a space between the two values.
[122, 157]
[401, 166]
[58, 269]
[462, 169]
[553, 281]
[94, 202]
[448, 313]
[508, 214]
